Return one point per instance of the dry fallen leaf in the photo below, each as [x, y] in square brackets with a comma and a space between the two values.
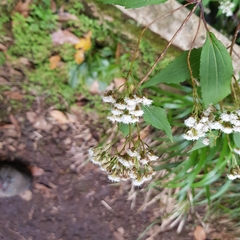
[36, 171]
[59, 116]
[3, 47]
[23, 7]
[14, 121]
[31, 116]
[79, 56]
[13, 95]
[65, 16]
[85, 43]
[199, 233]
[64, 36]
[3, 81]
[94, 88]
[54, 60]
[119, 83]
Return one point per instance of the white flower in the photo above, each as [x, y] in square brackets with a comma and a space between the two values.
[152, 157]
[231, 176]
[193, 134]
[130, 108]
[116, 111]
[143, 161]
[237, 150]
[215, 125]
[137, 113]
[227, 130]
[236, 129]
[132, 153]
[232, 117]
[205, 141]
[112, 118]
[120, 106]
[108, 99]
[138, 182]
[235, 123]
[190, 122]
[225, 117]
[126, 119]
[125, 162]
[226, 7]
[130, 101]
[114, 178]
[146, 102]
[204, 119]
[238, 112]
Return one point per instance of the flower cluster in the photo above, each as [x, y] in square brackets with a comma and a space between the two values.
[126, 110]
[132, 165]
[235, 173]
[226, 7]
[199, 127]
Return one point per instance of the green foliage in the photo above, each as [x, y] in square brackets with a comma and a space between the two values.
[215, 71]
[2, 58]
[177, 71]
[133, 3]
[29, 40]
[156, 116]
[101, 68]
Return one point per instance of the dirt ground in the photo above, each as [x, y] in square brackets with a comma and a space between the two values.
[71, 198]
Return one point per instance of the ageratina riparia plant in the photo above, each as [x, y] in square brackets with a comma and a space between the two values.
[133, 161]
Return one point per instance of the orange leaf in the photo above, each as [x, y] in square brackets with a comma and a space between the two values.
[79, 56]
[54, 60]
[85, 43]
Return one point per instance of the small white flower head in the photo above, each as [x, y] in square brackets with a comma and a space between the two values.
[232, 117]
[137, 113]
[190, 122]
[116, 111]
[130, 101]
[151, 156]
[125, 162]
[146, 101]
[226, 7]
[193, 134]
[205, 141]
[108, 97]
[204, 119]
[114, 178]
[127, 119]
[225, 117]
[231, 176]
[236, 129]
[209, 110]
[227, 130]
[112, 118]
[215, 125]
[130, 108]
[120, 106]
[199, 126]
[138, 182]
[132, 153]
[238, 112]
[144, 161]
[237, 151]
[236, 123]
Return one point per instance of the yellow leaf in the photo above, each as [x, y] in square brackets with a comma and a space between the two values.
[54, 60]
[79, 56]
[85, 43]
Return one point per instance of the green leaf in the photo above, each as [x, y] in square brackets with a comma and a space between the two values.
[236, 138]
[157, 118]
[124, 128]
[133, 3]
[215, 71]
[177, 71]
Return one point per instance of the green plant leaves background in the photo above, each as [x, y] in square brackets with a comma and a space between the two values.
[177, 71]
[157, 118]
[215, 71]
[133, 3]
